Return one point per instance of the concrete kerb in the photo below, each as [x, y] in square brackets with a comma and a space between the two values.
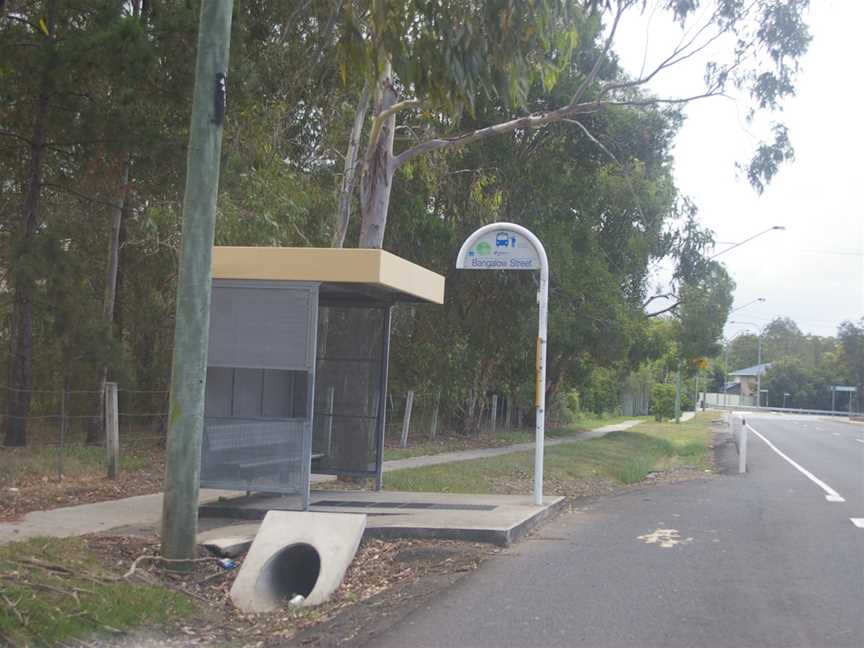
[494, 519]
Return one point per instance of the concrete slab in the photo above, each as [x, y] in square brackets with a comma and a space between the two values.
[228, 542]
[496, 519]
[297, 553]
[93, 518]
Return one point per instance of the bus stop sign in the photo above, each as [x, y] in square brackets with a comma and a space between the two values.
[508, 246]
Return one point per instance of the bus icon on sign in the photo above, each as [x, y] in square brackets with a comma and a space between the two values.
[502, 239]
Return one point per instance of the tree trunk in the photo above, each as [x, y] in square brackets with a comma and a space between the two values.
[22, 278]
[349, 176]
[379, 168]
[95, 433]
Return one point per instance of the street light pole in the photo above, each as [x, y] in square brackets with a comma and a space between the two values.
[760, 330]
[726, 352]
[759, 370]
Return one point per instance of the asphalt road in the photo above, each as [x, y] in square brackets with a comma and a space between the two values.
[761, 559]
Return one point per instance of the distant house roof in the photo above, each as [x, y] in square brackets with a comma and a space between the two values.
[755, 370]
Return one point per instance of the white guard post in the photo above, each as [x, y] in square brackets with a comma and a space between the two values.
[507, 246]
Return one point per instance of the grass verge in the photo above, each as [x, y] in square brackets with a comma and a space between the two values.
[55, 590]
[585, 467]
[457, 443]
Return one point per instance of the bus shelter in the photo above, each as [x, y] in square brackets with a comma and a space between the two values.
[297, 363]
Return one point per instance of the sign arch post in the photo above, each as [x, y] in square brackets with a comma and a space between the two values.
[508, 246]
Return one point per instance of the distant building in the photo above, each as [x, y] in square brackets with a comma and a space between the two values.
[744, 381]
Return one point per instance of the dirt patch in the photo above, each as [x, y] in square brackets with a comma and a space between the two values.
[37, 487]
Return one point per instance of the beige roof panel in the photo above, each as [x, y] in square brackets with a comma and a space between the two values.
[375, 268]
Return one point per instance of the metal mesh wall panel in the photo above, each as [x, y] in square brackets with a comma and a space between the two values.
[262, 326]
[348, 385]
[254, 455]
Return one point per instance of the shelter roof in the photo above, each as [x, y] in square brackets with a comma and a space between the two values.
[350, 272]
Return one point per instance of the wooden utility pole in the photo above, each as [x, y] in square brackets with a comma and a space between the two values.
[186, 410]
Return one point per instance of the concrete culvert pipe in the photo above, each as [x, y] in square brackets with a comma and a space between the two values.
[297, 553]
[293, 570]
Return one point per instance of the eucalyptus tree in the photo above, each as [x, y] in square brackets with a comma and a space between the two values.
[605, 215]
[428, 64]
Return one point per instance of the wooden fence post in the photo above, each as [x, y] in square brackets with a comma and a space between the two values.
[406, 421]
[61, 448]
[508, 417]
[494, 416]
[433, 431]
[112, 430]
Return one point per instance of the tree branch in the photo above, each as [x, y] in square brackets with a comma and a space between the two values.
[678, 55]
[589, 79]
[8, 133]
[378, 120]
[664, 310]
[78, 194]
[536, 120]
[660, 296]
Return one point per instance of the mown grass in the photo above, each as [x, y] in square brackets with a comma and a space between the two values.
[44, 607]
[455, 444]
[625, 457]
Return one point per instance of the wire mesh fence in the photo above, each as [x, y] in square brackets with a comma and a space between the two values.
[71, 423]
[415, 418]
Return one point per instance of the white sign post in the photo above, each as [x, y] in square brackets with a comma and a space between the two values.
[507, 246]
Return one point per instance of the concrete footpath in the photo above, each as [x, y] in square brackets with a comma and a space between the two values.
[146, 510]
[483, 453]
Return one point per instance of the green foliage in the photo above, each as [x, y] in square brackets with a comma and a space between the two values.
[743, 352]
[705, 305]
[807, 386]
[454, 53]
[663, 401]
[564, 409]
[851, 336]
[601, 392]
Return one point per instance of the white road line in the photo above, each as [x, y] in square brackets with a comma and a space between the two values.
[830, 494]
[836, 433]
[859, 522]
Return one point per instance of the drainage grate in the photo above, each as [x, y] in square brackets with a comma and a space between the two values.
[405, 505]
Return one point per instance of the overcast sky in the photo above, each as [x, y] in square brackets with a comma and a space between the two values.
[814, 271]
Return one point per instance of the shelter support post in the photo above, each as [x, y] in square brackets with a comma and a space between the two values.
[382, 401]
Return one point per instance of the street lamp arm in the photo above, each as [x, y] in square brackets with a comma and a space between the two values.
[747, 240]
[757, 300]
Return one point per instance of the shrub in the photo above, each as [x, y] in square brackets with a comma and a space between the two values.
[662, 401]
